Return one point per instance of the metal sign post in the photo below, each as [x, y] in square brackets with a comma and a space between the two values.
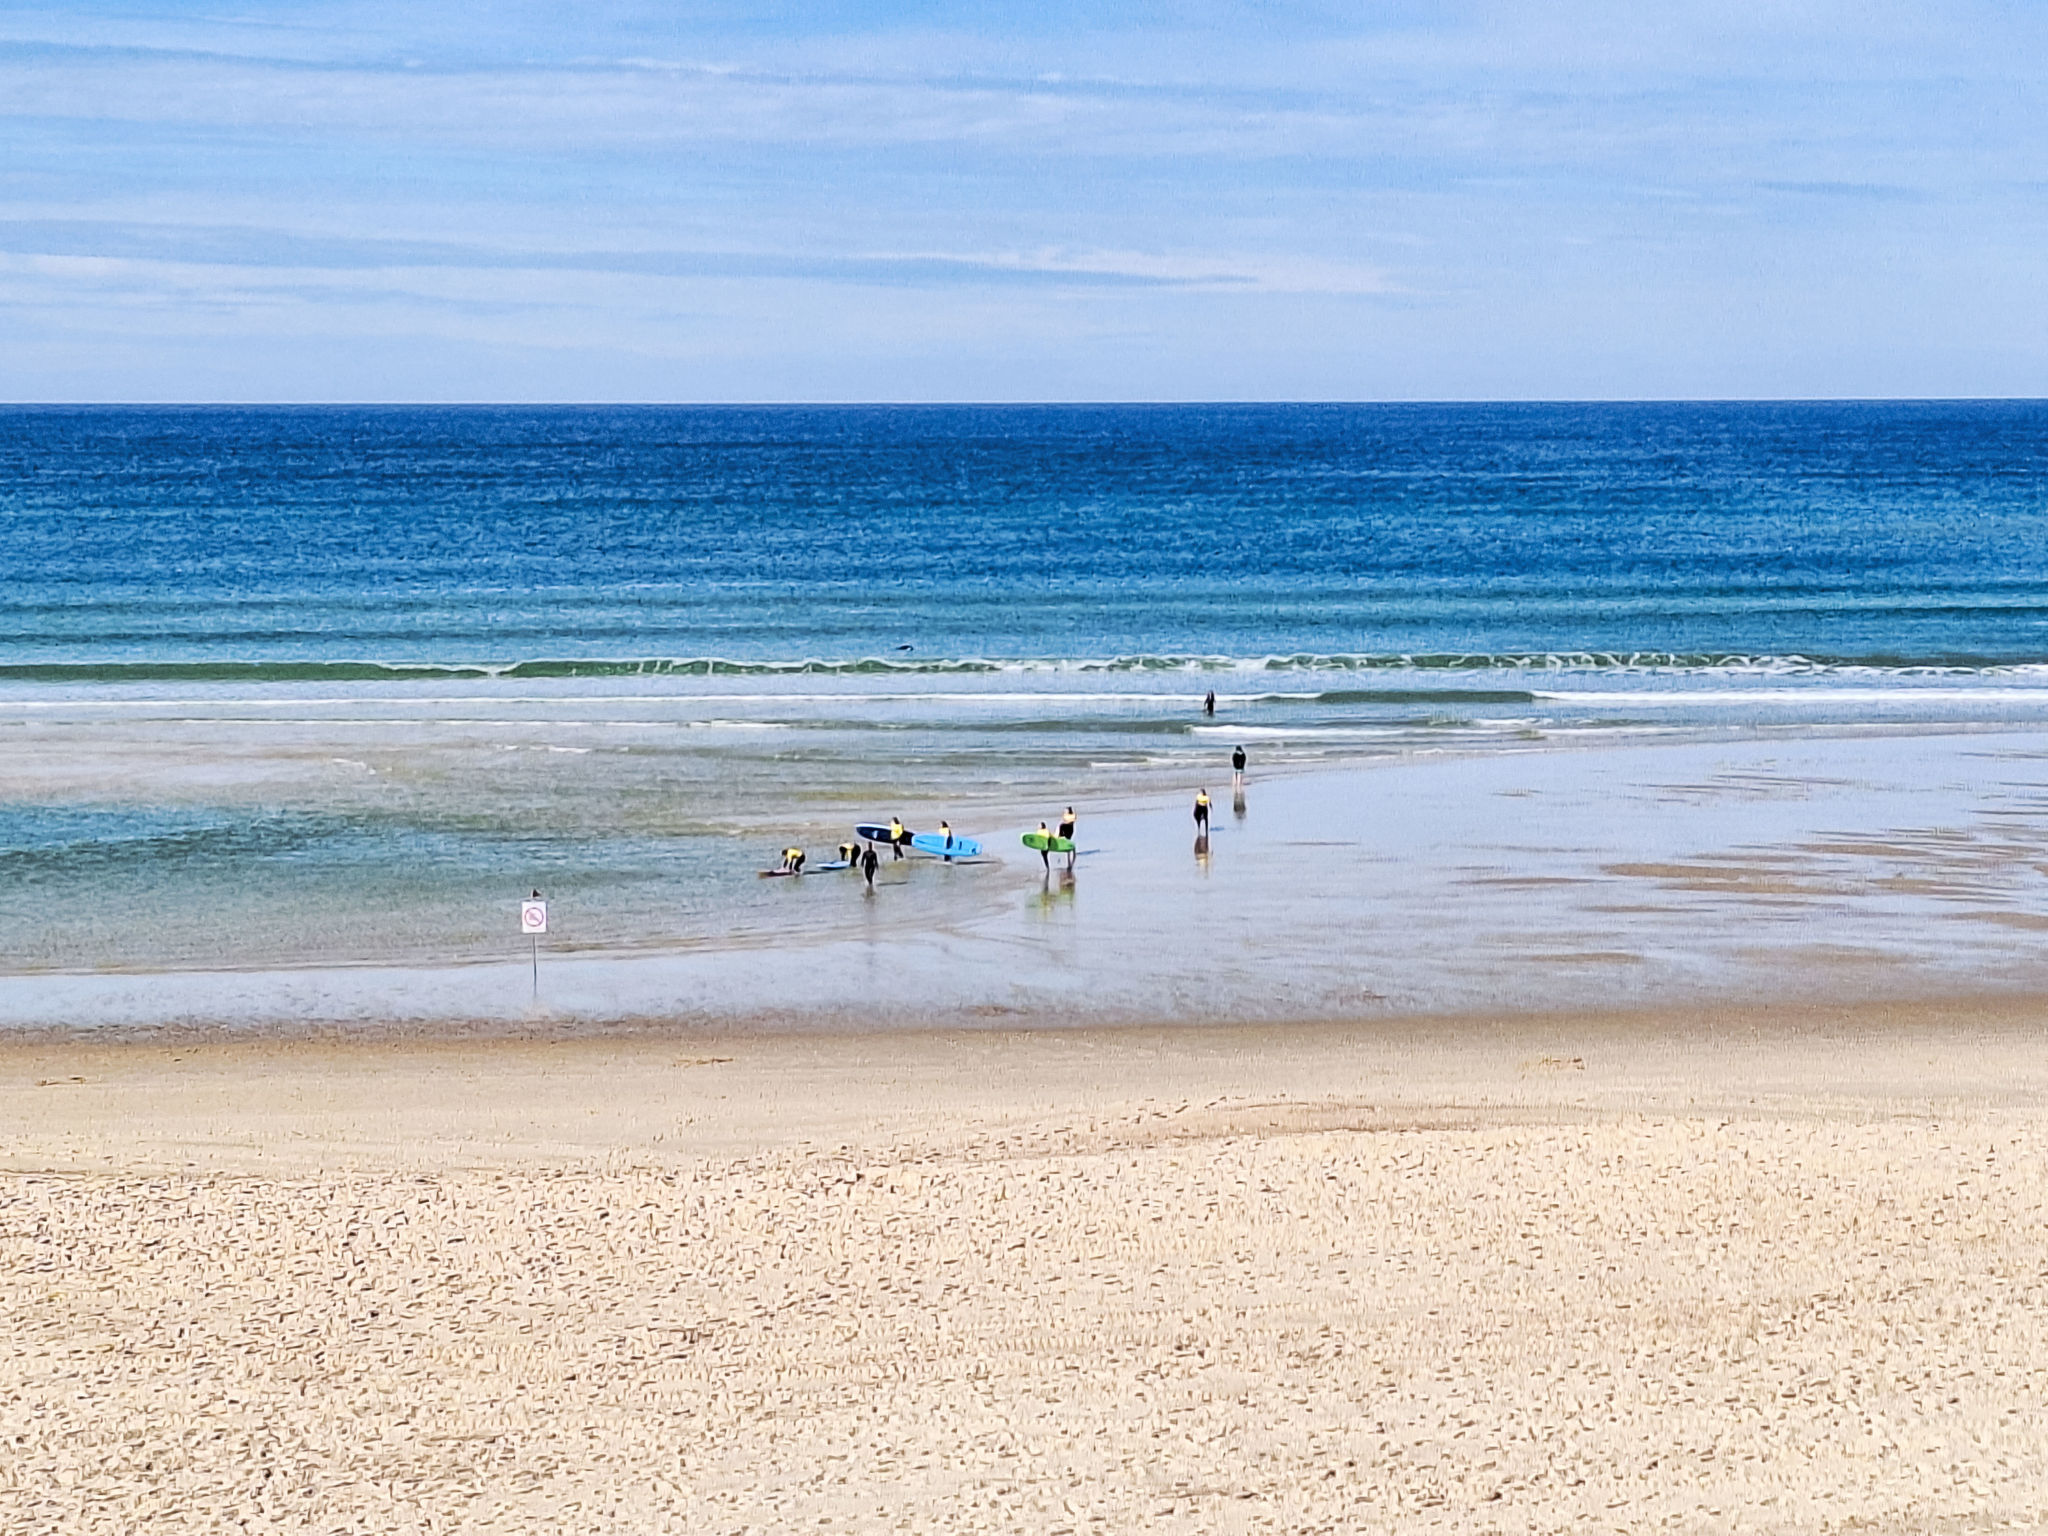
[533, 922]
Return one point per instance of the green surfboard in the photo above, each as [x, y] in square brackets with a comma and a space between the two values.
[1042, 842]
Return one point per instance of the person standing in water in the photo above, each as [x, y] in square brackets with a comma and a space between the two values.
[946, 831]
[1202, 813]
[1209, 703]
[868, 861]
[897, 836]
[1045, 847]
[1067, 824]
[1237, 769]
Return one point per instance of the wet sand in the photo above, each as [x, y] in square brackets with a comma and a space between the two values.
[1739, 1269]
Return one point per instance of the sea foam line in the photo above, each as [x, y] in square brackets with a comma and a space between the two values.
[201, 671]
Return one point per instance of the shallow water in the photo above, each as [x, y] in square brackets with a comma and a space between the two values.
[1816, 868]
[324, 692]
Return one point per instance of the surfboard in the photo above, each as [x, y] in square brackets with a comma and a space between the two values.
[1043, 842]
[834, 864]
[771, 874]
[935, 843]
[877, 832]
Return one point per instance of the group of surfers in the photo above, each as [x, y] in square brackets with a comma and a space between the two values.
[856, 855]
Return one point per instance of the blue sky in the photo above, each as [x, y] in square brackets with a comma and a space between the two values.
[844, 201]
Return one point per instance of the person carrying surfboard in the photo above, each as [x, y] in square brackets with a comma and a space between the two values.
[1202, 810]
[897, 836]
[1045, 847]
[1067, 824]
[946, 831]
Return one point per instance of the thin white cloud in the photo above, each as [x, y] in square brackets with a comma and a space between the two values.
[1196, 182]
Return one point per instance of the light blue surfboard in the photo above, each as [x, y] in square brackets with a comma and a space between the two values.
[935, 843]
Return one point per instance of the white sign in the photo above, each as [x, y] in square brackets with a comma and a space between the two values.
[533, 917]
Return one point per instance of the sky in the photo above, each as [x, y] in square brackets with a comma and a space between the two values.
[1056, 201]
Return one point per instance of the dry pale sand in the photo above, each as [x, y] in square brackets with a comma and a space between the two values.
[1717, 1272]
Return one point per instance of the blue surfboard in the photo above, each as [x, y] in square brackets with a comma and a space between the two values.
[935, 843]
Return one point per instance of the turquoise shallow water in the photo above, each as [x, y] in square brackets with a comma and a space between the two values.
[306, 689]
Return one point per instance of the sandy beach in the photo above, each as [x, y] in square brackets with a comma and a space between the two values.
[1699, 1271]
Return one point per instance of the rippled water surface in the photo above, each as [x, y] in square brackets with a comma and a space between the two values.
[313, 687]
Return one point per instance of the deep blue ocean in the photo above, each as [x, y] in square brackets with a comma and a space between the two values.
[286, 687]
[172, 539]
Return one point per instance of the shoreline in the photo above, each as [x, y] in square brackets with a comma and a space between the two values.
[1758, 1018]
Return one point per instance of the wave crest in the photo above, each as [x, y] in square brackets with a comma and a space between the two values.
[1594, 661]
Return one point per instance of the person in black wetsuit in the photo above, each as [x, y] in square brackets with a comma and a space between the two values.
[1237, 768]
[1209, 703]
[1067, 824]
[1045, 847]
[868, 861]
[1202, 812]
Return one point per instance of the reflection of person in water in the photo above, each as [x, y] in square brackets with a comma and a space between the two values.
[1056, 892]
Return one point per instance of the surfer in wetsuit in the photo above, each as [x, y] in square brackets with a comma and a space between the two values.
[1202, 812]
[1067, 831]
[868, 861]
[1209, 703]
[1045, 847]
[897, 836]
[1237, 769]
[793, 860]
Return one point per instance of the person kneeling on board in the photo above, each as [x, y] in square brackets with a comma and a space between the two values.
[849, 855]
[793, 860]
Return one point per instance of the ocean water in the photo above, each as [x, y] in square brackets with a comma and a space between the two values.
[329, 688]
